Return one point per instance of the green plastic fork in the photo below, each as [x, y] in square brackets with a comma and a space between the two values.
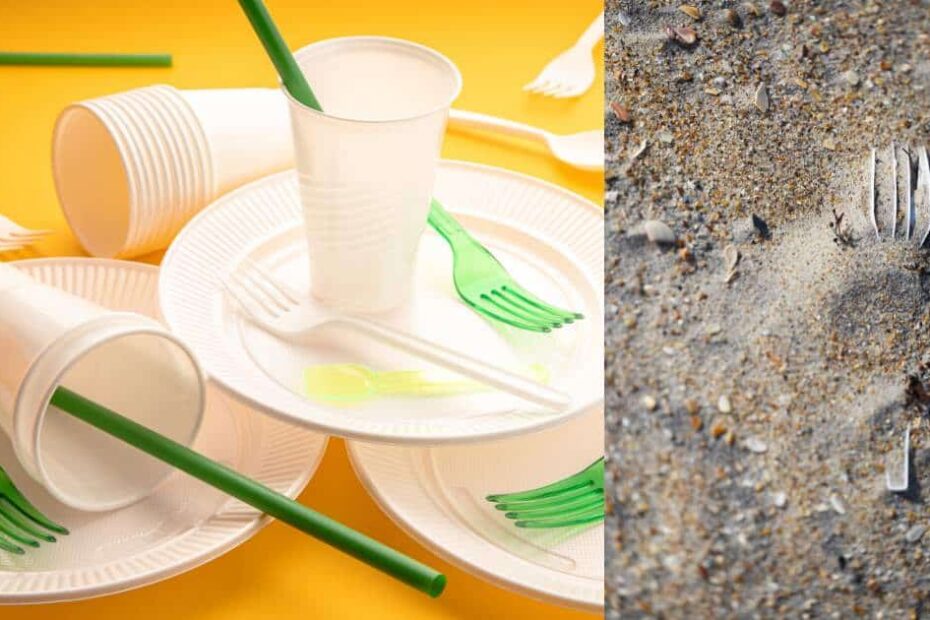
[481, 281]
[19, 518]
[484, 284]
[576, 500]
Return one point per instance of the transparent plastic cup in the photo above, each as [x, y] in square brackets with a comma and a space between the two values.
[122, 360]
[367, 163]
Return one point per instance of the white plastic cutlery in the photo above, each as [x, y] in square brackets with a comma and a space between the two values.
[14, 237]
[276, 308]
[584, 150]
[571, 73]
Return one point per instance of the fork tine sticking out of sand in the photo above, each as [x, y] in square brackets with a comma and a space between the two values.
[886, 178]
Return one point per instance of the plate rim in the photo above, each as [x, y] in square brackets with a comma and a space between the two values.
[423, 538]
[151, 577]
[375, 436]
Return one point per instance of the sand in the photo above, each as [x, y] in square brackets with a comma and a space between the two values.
[750, 414]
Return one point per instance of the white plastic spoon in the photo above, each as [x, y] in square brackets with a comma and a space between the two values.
[584, 150]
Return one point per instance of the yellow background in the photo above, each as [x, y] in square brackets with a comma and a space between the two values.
[498, 44]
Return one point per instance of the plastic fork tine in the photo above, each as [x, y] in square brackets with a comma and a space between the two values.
[17, 516]
[580, 494]
[894, 191]
[536, 301]
[8, 511]
[21, 238]
[923, 168]
[544, 314]
[484, 306]
[507, 306]
[548, 490]
[575, 500]
[265, 287]
[254, 305]
[532, 86]
[262, 276]
[581, 504]
[8, 530]
[8, 546]
[872, 189]
[9, 491]
[592, 516]
[909, 195]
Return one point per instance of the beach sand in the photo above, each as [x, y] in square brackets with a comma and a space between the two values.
[751, 409]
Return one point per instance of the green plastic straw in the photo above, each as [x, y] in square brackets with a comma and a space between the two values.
[85, 60]
[281, 56]
[253, 493]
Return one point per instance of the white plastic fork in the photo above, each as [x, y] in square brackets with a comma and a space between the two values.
[571, 73]
[15, 237]
[276, 308]
[916, 174]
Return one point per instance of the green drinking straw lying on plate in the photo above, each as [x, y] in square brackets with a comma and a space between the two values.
[50, 59]
[253, 493]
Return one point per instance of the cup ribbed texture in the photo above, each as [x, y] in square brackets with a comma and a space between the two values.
[167, 161]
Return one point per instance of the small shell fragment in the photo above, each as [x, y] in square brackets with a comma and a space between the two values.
[915, 533]
[683, 35]
[724, 405]
[620, 111]
[761, 98]
[755, 445]
[752, 9]
[691, 11]
[852, 78]
[658, 232]
[731, 257]
[837, 504]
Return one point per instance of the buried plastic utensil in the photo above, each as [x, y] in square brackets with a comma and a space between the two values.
[277, 309]
[19, 518]
[576, 500]
[897, 468]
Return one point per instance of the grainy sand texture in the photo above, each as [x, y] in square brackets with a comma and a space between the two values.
[766, 349]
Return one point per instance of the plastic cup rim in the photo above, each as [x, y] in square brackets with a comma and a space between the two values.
[442, 58]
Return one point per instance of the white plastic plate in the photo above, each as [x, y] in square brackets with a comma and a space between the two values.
[551, 241]
[183, 524]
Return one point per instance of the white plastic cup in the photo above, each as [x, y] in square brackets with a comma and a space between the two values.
[125, 361]
[367, 163]
[132, 168]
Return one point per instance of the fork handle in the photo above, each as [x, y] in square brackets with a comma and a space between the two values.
[476, 120]
[593, 33]
[464, 365]
[446, 225]
[253, 493]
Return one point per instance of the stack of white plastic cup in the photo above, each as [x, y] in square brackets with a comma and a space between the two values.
[124, 361]
[132, 168]
[368, 162]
